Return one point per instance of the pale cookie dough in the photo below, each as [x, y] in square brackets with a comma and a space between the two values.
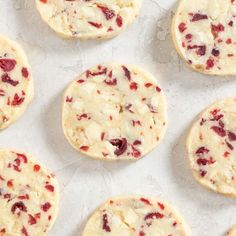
[89, 19]
[204, 35]
[232, 231]
[28, 196]
[16, 84]
[211, 147]
[114, 112]
[136, 216]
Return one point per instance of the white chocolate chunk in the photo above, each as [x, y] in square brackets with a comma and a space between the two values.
[120, 119]
[204, 35]
[28, 196]
[89, 19]
[211, 147]
[136, 216]
[16, 84]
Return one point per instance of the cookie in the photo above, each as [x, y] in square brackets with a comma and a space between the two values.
[91, 19]
[211, 147]
[114, 112]
[28, 196]
[135, 216]
[232, 231]
[16, 84]
[204, 35]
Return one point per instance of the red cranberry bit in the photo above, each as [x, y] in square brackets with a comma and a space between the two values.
[7, 79]
[36, 168]
[230, 146]
[105, 225]
[219, 130]
[182, 27]
[69, 99]
[229, 41]
[127, 72]
[154, 215]
[84, 148]
[109, 14]
[120, 144]
[46, 206]
[32, 220]
[141, 233]
[215, 52]
[203, 173]
[209, 63]
[7, 65]
[95, 24]
[137, 142]
[202, 162]
[25, 72]
[232, 136]
[216, 29]
[161, 206]
[111, 82]
[17, 100]
[24, 197]
[22, 156]
[119, 21]
[158, 89]
[18, 205]
[49, 187]
[146, 201]
[136, 153]
[24, 231]
[198, 16]
[202, 150]
[10, 183]
[201, 51]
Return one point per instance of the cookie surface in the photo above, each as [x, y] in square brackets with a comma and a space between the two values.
[28, 196]
[232, 231]
[89, 19]
[114, 112]
[211, 147]
[204, 35]
[16, 84]
[135, 216]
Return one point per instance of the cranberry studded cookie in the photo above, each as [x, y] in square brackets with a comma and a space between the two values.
[16, 84]
[89, 19]
[114, 112]
[204, 35]
[232, 231]
[28, 196]
[135, 216]
[211, 147]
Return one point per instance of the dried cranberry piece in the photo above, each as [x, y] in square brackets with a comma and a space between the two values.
[18, 205]
[7, 64]
[215, 52]
[198, 16]
[7, 79]
[105, 225]
[24, 231]
[202, 150]
[182, 27]
[232, 136]
[46, 206]
[120, 144]
[109, 14]
[219, 130]
[154, 215]
[146, 201]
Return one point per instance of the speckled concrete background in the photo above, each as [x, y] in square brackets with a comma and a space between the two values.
[86, 183]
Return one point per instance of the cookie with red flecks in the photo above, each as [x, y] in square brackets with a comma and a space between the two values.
[89, 19]
[28, 195]
[114, 112]
[232, 231]
[204, 35]
[211, 147]
[16, 84]
[136, 216]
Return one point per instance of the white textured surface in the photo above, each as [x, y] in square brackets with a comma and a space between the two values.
[86, 183]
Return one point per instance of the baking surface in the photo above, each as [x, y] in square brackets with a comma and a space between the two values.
[86, 183]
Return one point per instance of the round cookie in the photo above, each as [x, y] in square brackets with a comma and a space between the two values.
[211, 147]
[135, 216]
[16, 84]
[232, 231]
[89, 19]
[204, 35]
[114, 112]
[28, 196]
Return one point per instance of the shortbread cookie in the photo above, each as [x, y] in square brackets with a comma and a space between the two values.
[89, 19]
[28, 196]
[16, 84]
[232, 231]
[114, 112]
[135, 216]
[211, 147]
[204, 35]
